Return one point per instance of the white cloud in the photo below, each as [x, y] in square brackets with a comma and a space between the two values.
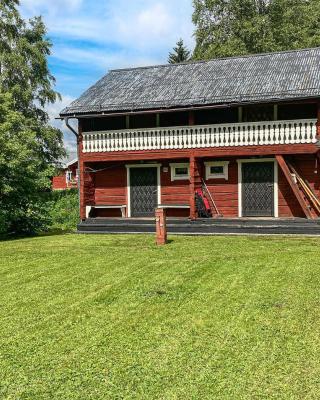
[140, 24]
[123, 33]
[50, 7]
[102, 60]
[151, 26]
[53, 111]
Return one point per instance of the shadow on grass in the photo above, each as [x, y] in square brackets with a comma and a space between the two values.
[14, 236]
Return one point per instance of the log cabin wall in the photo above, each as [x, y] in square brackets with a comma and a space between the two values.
[225, 192]
[109, 187]
[59, 182]
[307, 167]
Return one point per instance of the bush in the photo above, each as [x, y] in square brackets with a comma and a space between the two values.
[63, 210]
[53, 211]
[27, 218]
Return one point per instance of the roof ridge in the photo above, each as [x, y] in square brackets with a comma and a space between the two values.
[216, 59]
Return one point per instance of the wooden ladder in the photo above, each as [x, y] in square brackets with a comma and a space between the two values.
[212, 203]
[306, 189]
[301, 189]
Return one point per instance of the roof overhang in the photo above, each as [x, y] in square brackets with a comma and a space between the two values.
[106, 113]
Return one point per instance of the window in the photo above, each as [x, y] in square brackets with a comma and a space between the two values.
[217, 170]
[179, 171]
[68, 176]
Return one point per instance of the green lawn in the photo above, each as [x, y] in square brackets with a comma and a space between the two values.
[115, 317]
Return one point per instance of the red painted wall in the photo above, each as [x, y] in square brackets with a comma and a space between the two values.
[225, 193]
[306, 167]
[109, 187]
[59, 181]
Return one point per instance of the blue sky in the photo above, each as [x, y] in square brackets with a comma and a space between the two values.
[91, 37]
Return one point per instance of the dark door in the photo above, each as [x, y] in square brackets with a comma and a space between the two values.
[143, 191]
[258, 189]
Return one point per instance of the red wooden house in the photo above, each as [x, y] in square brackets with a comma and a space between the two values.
[67, 178]
[232, 137]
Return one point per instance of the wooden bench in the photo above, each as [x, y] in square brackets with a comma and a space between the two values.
[107, 207]
[184, 206]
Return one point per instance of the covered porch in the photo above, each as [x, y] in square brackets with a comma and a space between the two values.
[201, 187]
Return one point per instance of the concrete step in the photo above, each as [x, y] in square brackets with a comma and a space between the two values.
[206, 221]
[206, 226]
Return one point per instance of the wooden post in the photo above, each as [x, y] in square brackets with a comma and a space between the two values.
[161, 227]
[127, 121]
[81, 168]
[191, 117]
[195, 183]
[285, 169]
[318, 121]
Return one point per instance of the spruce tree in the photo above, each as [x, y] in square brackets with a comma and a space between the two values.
[180, 53]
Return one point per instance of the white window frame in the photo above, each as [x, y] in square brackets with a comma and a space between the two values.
[175, 177]
[224, 164]
[68, 176]
[275, 183]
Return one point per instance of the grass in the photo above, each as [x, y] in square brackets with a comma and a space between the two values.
[115, 317]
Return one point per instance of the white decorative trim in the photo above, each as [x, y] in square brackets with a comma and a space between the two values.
[128, 166]
[88, 209]
[259, 133]
[175, 177]
[276, 192]
[224, 164]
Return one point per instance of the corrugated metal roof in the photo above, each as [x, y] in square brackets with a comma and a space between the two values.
[245, 79]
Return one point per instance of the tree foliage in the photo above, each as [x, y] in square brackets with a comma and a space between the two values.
[28, 145]
[179, 54]
[236, 27]
[64, 210]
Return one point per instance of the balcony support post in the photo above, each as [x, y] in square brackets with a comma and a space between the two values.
[191, 117]
[318, 121]
[195, 183]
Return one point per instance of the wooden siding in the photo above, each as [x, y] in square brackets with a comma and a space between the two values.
[288, 204]
[109, 187]
[216, 152]
[173, 192]
[59, 182]
[225, 193]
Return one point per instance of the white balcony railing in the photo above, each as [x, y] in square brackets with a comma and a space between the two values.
[203, 136]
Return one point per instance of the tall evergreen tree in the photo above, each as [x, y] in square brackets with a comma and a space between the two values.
[180, 53]
[28, 145]
[236, 27]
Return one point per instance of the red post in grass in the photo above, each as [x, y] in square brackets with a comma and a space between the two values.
[161, 226]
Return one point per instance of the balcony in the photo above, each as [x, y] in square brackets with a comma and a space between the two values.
[203, 136]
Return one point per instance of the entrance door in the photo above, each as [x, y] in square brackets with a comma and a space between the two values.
[258, 189]
[143, 191]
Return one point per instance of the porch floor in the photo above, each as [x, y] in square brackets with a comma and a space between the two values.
[221, 226]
